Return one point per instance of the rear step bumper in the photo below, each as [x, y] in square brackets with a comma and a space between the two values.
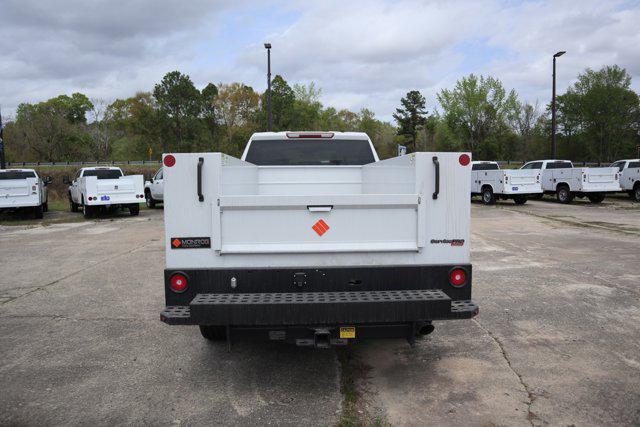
[318, 308]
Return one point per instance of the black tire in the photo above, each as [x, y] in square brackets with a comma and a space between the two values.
[563, 194]
[134, 210]
[73, 207]
[488, 198]
[595, 197]
[214, 333]
[520, 200]
[37, 212]
[151, 203]
[87, 211]
[636, 192]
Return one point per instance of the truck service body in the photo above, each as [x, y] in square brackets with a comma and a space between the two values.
[311, 240]
[22, 189]
[489, 181]
[559, 177]
[629, 177]
[105, 187]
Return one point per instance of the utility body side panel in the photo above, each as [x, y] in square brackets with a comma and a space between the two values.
[507, 181]
[19, 193]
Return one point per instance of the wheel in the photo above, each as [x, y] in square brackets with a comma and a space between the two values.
[520, 200]
[563, 195]
[87, 211]
[151, 203]
[37, 212]
[73, 207]
[636, 192]
[134, 210]
[488, 198]
[214, 333]
[596, 197]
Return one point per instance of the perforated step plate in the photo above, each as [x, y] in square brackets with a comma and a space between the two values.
[297, 308]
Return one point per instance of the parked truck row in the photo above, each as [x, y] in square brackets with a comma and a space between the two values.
[554, 177]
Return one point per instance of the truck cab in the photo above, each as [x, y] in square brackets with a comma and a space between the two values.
[154, 189]
[629, 171]
[22, 189]
[310, 239]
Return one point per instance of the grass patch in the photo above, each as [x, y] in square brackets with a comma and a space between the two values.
[348, 389]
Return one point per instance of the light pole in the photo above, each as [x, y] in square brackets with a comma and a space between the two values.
[269, 116]
[553, 106]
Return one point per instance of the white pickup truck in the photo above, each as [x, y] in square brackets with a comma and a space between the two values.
[629, 177]
[559, 177]
[491, 182]
[311, 240]
[98, 188]
[154, 190]
[22, 189]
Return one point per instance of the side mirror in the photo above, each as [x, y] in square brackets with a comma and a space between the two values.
[65, 180]
[48, 180]
[151, 180]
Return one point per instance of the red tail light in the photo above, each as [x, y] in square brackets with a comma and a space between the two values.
[458, 277]
[178, 283]
[169, 160]
[464, 159]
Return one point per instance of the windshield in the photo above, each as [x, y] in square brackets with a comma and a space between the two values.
[17, 175]
[310, 152]
[104, 173]
[485, 167]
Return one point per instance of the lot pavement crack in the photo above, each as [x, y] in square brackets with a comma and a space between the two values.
[87, 267]
[531, 397]
[75, 319]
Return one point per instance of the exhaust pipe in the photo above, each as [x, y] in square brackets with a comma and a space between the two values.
[426, 329]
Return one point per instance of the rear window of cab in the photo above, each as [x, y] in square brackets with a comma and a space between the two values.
[17, 175]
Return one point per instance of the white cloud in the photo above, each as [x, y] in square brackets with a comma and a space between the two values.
[361, 53]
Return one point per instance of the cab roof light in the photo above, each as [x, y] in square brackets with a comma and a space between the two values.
[315, 135]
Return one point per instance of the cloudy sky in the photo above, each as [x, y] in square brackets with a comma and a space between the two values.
[361, 53]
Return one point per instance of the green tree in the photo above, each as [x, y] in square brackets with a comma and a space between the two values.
[411, 117]
[282, 105]
[179, 99]
[603, 111]
[477, 112]
[210, 114]
[236, 106]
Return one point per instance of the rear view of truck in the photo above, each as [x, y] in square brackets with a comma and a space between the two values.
[313, 241]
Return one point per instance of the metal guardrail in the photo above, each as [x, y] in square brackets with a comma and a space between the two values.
[105, 163]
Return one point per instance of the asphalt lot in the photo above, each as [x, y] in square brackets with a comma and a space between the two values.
[557, 340]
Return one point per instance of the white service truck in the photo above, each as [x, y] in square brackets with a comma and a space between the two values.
[101, 187]
[311, 240]
[154, 190]
[629, 171]
[559, 177]
[22, 189]
[491, 182]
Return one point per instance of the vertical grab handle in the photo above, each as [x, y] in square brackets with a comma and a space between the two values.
[200, 163]
[437, 189]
